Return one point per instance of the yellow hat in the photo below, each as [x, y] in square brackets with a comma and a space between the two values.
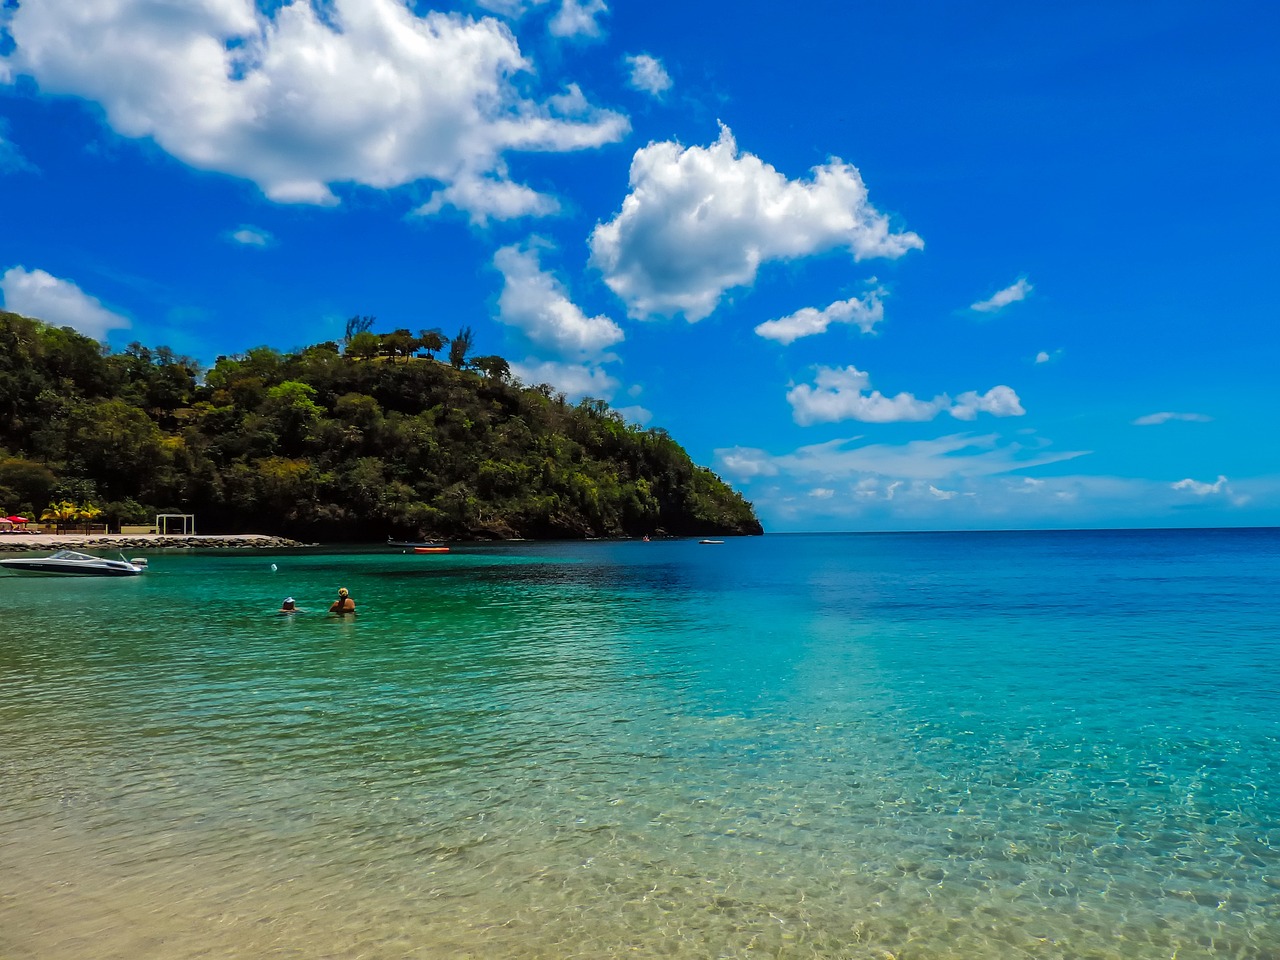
[342, 591]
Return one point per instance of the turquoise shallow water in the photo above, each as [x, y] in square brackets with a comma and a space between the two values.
[1051, 745]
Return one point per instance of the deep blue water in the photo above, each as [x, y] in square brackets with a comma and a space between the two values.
[909, 745]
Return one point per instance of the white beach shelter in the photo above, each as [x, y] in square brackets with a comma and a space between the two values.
[165, 523]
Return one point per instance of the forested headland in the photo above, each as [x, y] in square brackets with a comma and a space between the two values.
[370, 438]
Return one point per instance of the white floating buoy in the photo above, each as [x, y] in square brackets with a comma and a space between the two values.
[274, 568]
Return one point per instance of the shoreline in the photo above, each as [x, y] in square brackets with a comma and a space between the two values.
[36, 542]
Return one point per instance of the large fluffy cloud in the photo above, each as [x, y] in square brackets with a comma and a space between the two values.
[701, 220]
[35, 293]
[351, 91]
[537, 303]
[844, 393]
[864, 314]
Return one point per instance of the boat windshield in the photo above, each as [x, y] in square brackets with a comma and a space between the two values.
[71, 555]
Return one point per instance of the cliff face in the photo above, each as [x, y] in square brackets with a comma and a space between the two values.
[323, 445]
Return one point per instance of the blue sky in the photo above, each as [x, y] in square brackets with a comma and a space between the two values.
[881, 266]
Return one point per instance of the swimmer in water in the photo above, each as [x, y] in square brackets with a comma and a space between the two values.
[344, 603]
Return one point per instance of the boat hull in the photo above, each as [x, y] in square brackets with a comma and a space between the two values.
[71, 563]
[36, 569]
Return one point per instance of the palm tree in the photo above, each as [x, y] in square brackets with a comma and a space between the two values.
[61, 513]
[357, 324]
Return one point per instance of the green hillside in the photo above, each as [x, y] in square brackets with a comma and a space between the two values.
[329, 444]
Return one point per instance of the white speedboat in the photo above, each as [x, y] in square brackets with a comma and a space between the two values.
[71, 563]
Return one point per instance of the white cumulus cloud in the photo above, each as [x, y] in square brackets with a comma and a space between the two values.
[37, 294]
[999, 401]
[1001, 299]
[635, 414]
[864, 314]
[1164, 416]
[574, 380]
[312, 95]
[578, 18]
[536, 303]
[844, 393]
[841, 393]
[701, 220]
[648, 74]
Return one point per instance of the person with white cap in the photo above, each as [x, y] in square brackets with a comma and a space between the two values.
[288, 606]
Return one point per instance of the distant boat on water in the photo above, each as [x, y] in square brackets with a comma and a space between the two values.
[419, 546]
[711, 541]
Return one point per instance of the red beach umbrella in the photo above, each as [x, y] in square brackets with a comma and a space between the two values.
[17, 519]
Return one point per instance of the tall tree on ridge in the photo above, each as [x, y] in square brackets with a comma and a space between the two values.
[459, 347]
[357, 324]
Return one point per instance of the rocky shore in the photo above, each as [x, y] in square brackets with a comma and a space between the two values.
[37, 542]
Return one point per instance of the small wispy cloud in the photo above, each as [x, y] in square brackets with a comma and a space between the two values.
[1048, 356]
[944, 459]
[648, 75]
[1164, 416]
[250, 236]
[1219, 488]
[11, 158]
[1002, 298]
[864, 314]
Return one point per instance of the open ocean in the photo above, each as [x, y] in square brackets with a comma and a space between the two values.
[908, 746]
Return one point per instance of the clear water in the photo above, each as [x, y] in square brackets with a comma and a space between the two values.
[1045, 745]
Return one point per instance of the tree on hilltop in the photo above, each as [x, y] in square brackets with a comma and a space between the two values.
[357, 324]
[493, 367]
[459, 347]
[432, 341]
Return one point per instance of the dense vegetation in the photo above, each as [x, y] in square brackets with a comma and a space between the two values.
[329, 443]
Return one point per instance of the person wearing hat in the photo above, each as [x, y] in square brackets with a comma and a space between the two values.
[344, 603]
[287, 606]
